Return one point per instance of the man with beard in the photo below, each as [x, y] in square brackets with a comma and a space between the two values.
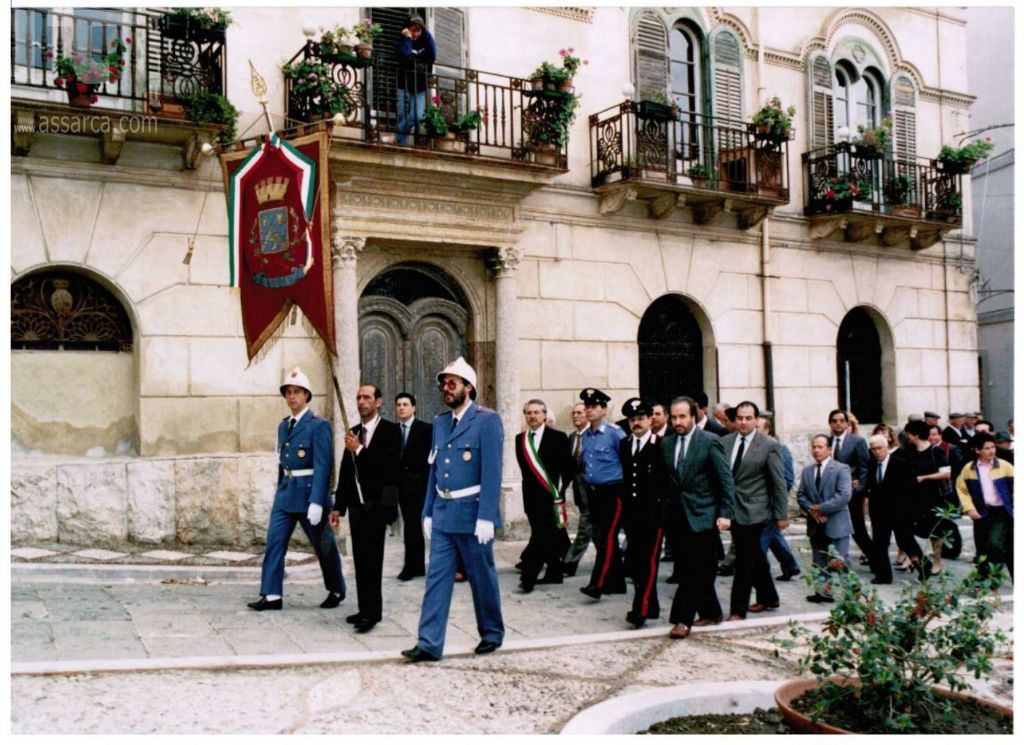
[462, 510]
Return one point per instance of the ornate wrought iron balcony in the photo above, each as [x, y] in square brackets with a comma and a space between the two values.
[365, 92]
[652, 152]
[868, 195]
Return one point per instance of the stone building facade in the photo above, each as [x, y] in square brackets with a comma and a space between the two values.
[548, 278]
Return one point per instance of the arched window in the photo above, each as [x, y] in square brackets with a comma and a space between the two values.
[859, 358]
[685, 69]
[671, 351]
[857, 97]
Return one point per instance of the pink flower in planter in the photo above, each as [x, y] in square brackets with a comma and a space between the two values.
[59, 82]
[78, 58]
[830, 194]
[93, 98]
[312, 76]
[49, 55]
[81, 87]
[436, 100]
[128, 40]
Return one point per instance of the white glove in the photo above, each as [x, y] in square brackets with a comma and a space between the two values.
[314, 513]
[428, 524]
[484, 531]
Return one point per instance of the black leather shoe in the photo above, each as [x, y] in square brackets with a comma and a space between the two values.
[355, 618]
[877, 581]
[361, 627]
[525, 588]
[486, 647]
[264, 604]
[546, 580]
[332, 600]
[418, 655]
[787, 576]
[519, 566]
[405, 575]
[635, 620]
[591, 592]
[819, 598]
[569, 568]
[673, 579]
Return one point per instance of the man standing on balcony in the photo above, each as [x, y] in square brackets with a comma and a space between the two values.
[416, 52]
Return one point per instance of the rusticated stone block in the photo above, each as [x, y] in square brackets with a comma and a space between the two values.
[33, 502]
[92, 503]
[258, 477]
[206, 500]
[151, 502]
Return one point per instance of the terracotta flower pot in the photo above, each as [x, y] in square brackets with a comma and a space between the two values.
[364, 50]
[545, 154]
[81, 98]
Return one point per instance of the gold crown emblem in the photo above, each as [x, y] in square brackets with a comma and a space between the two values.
[271, 189]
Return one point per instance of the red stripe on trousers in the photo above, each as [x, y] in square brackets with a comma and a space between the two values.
[613, 535]
[653, 576]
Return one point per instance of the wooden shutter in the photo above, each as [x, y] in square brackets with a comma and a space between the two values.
[727, 66]
[819, 79]
[385, 65]
[904, 130]
[449, 35]
[651, 56]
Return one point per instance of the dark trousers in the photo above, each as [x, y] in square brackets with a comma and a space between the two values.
[606, 511]
[993, 539]
[695, 596]
[548, 542]
[585, 530]
[368, 531]
[643, 535]
[279, 532]
[411, 504]
[884, 524]
[860, 530]
[752, 570]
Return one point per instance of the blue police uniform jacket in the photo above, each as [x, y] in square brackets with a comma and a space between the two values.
[601, 462]
[309, 446]
[468, 457]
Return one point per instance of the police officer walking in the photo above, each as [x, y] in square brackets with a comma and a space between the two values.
[305, 446]
[461, 511]
[602, 472]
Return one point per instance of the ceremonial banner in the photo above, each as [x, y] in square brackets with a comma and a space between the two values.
[278, 235]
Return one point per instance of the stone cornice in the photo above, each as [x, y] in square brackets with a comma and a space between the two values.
[49, 168]
[583, 15]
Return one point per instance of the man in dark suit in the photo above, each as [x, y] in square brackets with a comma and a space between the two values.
[705, 422]
[412, 484]
[954, 431]
[891, 489]
[761, 496]
[644, 480]
[852, 450]
[824, 495]
[546, 464]
[373, 446]
[584, 530]
[698, 504]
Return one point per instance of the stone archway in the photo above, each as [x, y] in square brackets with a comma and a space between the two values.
[865, 366]
[676, 351]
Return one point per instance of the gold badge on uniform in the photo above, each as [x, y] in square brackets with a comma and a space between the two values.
[302, 453]
[467, 456]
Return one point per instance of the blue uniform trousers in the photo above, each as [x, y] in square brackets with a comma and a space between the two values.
[445, 549]
[279, 532]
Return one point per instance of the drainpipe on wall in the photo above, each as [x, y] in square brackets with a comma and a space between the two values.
[769, 377]
[761, 94]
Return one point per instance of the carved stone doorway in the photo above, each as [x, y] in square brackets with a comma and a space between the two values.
[412, 322]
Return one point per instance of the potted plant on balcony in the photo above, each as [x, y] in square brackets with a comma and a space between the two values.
[871, 143]
[81, 75]
[366, 32]
[436, 127]
[956, 160]
[546, 122]
[314, 93]
[196, 24]
[898, 191]
[699, 173]
[900, 667]
[205, 108]
[470, 121]
[947, 207]
[550, 77]
[772, 122]
[335, 44]
[656, 106]
[841, 191]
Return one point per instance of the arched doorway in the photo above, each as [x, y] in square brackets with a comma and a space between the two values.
[672, 351]
[412, 322]
[859, 361]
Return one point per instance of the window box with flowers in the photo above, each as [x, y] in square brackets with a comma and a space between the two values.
[959, 160]
[772, 122]
[314, 94]
[872, 143]
[699, 175]
[196, 24]
[553, 78]
[899, 191]
[656, 107]
[842, 191]
[82, 75]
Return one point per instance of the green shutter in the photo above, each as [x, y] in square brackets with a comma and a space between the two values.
[728, 67]
[384, 72]
[651, 48]
[819, 80]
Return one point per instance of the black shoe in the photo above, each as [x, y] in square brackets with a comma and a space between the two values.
[355, 618]
[569, 568]
[486, 647]
[264, 604]
[636, 620]
[361, 627]
[673, 579]
[724, 571]
[525, 588]
[549, 580]
[332, 601]
[405, 575]
[819, 598]
[591, 592]
[418, 655]
[864, 560]
[519, 566]
[787, 576]
[877, 581]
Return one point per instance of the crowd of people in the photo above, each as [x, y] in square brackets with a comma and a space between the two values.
[661, 485]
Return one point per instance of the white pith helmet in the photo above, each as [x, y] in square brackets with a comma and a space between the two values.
[297, 377]
[463, 369]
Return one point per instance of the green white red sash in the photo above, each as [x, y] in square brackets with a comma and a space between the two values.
[533, 461]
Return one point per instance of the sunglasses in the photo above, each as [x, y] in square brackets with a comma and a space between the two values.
[450, 384]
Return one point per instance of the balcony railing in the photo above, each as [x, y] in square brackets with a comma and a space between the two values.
[655, 143]
[375, 113]
[918, 189]
[161, 63]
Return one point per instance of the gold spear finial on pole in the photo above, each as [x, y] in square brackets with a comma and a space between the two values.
[259, 89]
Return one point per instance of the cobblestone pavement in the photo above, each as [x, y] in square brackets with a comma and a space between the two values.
[151, 649]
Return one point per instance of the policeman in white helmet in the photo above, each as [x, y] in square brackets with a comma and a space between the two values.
[305, 447]
[461, 511]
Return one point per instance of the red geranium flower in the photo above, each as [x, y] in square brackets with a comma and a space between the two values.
[830, 193]
[93, 98]
[81, 87]
[853, 190]
[59, 82]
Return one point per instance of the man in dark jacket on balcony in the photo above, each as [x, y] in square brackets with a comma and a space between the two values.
[416, 52]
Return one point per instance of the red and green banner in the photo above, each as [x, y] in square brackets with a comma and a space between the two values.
[278, 235]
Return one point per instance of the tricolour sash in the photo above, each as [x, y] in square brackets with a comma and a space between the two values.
[533, 461]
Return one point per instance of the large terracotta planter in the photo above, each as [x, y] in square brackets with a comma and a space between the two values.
[81, 99]
[794, 689]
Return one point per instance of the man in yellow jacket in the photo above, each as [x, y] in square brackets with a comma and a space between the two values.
[985, 489]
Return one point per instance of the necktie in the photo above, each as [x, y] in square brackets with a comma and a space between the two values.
[817, 478]
[739, 456]
[291, 426]
[636, 446]
[455, 423]
[362, 435]
[405, 435]
[577, 452]
[879, 479]
[529, 436]
[835, 447]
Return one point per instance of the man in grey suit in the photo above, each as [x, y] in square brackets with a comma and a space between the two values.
[584, 532]
[756, 462]
[852, 450]
[823, 495]
[698, 503]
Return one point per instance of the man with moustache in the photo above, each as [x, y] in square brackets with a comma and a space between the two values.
[462, 510]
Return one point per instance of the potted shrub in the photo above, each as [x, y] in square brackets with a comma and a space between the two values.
[436, 126]
[899, 667]
[898, 191]
[196, 24]
[699, 174]
[365, 33]
[212, 108]
[81, 75]
[550, 77]
[656, 106]
[772, 122]
[470, 121]
[871, 143]
[962, 159]
[842, 191]
[314, 93]
[546, 124]
[947, 207]
[335, 45]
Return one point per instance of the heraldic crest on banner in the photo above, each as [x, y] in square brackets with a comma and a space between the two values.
[278, 231]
